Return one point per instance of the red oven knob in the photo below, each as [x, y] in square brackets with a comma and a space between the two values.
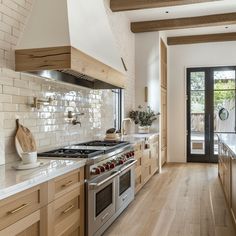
[102, 168]
[121, 162]
[112, 165]
[132, 153]
[107, 166]
[95, 171]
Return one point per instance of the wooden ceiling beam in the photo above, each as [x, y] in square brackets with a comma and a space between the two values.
[182, 23]
[127, 5]
[206, 38]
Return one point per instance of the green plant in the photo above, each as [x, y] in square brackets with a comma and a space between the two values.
[143, 116]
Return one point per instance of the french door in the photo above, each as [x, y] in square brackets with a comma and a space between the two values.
[210, 110]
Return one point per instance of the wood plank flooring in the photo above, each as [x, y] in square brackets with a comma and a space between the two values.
[185, 200]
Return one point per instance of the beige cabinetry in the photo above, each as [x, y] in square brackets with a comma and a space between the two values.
[225, 170]
[163, 102]
[227, 175]
[53, 208]
[147, 162]
[233, 189]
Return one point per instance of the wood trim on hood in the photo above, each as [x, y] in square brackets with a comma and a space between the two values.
[67, 58]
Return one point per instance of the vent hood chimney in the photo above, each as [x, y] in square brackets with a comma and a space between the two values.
[71, 40]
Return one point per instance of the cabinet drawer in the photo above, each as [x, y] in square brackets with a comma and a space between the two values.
[138, 147]
[64, 213]
[64, 184]
[138, 163]
[138, 171]
[18, 206]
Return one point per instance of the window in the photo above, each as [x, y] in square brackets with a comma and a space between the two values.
[117, 104]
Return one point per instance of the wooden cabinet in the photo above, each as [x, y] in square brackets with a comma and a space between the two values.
[233, 190]
[27, 226]
[65, 211]
[147, 162]
[224, 170]
[54, 208]
[227, 175]
[163, 126]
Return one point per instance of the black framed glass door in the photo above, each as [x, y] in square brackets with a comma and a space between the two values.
[210, 110]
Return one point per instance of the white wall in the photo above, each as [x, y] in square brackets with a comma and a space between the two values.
[180, 58]
[147, 66]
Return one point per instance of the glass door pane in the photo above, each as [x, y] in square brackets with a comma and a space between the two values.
[197, 115]
[224, 103]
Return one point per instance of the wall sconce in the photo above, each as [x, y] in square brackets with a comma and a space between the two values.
[146, 94]
[38, 102]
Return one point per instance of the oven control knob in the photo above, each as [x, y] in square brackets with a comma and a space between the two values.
[102, 168]
[128, 155]
[132, 153]
[112, 165]
[121, 162]
[107, 166]
[95, 171]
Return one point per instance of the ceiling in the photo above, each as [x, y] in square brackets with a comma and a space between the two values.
[200, 9]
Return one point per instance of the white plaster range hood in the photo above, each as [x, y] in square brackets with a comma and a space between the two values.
[71, 40]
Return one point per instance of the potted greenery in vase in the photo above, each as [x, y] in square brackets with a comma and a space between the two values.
[144, 117]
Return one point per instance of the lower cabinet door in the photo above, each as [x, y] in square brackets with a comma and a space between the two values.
[233, 192]
[28, 226]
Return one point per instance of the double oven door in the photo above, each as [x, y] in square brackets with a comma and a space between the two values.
[101, 204]
[108, 196]
[125, 186]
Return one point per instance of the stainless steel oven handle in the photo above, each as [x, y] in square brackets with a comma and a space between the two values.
[128, 165]
[96, 185]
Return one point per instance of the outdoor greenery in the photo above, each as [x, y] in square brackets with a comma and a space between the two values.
[224, 86]
[144, 116]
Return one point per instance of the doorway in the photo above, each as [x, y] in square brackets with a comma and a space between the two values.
[210, 110]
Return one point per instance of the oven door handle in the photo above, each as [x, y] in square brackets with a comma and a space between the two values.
[128, 165]
[97, 185]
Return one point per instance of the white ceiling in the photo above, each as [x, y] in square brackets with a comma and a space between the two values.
[209, 8]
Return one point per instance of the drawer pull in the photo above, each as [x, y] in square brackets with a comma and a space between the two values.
[68, 209]
[18, 209]
[67, 184]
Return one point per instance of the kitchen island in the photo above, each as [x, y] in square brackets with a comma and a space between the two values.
[227, 169]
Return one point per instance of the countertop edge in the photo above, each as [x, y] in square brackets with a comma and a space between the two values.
[27, 184]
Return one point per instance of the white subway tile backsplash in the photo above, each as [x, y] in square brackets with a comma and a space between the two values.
[21, 83]
[49, 124]
[6, 81]
[5, 98]
[11, 90]
[10, 107]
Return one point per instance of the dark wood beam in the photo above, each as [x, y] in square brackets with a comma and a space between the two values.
[127, 5]
[182, 23]
[206, 38]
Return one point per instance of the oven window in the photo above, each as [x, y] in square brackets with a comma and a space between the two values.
[103, 199]
[125, 182]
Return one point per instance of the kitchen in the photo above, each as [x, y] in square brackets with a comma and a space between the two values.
[67, 78]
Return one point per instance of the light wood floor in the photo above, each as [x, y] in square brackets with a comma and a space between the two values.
[185, 200]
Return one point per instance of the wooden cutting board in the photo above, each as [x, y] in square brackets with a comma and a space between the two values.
[24, 139]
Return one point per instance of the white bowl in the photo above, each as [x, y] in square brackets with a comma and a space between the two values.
[29, 157]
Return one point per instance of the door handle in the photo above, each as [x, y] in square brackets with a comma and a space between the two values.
[209, 127]
[96, 185]
[128, 165]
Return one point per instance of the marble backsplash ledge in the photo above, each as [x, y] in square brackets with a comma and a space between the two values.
[49, 124]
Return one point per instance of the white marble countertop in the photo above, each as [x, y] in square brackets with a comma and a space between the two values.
[135, 138]
[229, 140]
[14, 181]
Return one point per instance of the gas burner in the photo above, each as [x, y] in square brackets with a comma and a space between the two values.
[71, 153]
[102, 143]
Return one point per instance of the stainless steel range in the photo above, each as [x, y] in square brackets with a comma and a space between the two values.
[110, 179]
